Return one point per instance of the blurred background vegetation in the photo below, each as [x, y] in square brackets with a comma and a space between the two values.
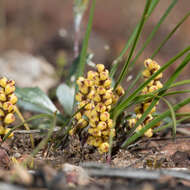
[45, 28]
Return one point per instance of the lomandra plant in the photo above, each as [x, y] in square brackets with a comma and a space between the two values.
[90, 105]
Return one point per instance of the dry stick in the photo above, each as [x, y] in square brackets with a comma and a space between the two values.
[136, 173]
[25, 125]
[35, 131]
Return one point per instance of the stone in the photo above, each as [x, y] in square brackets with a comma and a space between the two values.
[27, 70]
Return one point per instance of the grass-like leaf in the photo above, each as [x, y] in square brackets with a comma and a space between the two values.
[122, 105]
[155, 29]
[172, 115]
[131, 39]
[154, 122]
[156, 99]
[176, 92]
[183, 82]
[125, 68]
[83, 54]
[170, 124]
[170, 35]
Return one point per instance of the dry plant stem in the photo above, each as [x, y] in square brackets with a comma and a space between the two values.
[136, 173]
[25, 125]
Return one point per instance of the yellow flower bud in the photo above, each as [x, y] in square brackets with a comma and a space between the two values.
[138, 128]
[94, 116]
[158, 76]
[84, 89]
[153, 88]
[108, 108]
[92, 75]
[110, 123]
[89, 106]
[108, 94]
[120, 91]
[72, 132]
[139, 116]
[91, 94]
[2, 130]
[100, 107]
[115, 98]
[97, 141]
[106, 133]
[2, 114]
[80, 81]
[7, 131]
[9, 89]
[158, 84]
[102, 125]
[79, 97]
[153, 110]
[11, 82]
[101, 90]
[3, 82]
[104, 116]
[148, 133]
[104, 75]
[152, 65]
[132, 122]
[94, 132]
[87, 113]
[108, 102]
[107, 83]
[151, 83]
[13, 98]
[100, 67]
[145, 106]
[10, 118]
[145, 90]
[82, 104]
[96, 98]
[138, 109]
[82, 123]
[96, 81]
[8, 106]
[147, 62]
[90, 140]
[103, 148]
[88, 82]
[93, 123]
[148, 119]
[146, 73]
[2, 96]
[78, 116]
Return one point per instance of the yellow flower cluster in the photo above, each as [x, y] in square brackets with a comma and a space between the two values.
[151, 68]
[7, 104]
[95, 98]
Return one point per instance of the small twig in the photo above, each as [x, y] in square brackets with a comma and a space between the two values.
[34, 131]
[137, 173]
[185, 125]
[183, 131]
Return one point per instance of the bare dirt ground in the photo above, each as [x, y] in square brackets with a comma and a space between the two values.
[163, 162]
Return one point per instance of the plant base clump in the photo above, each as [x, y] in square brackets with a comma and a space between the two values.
[7, 104]
[95, 98]
[154, 85]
